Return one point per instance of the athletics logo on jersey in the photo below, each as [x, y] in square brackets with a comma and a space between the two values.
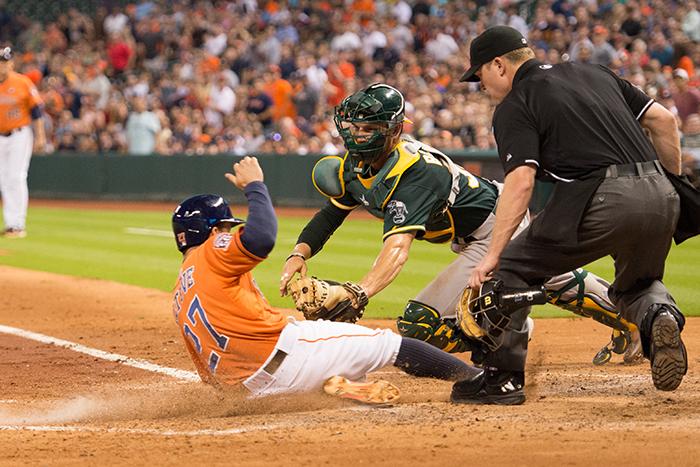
[398, 210]
[222, 241]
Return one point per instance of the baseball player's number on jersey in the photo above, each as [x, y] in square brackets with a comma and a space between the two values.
[195, 310]
[472, 181]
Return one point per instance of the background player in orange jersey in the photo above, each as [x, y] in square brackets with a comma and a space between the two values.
[19, 105]
[234, 335]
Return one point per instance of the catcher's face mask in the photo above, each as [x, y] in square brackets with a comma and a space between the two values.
[369, 120]
[479, 317]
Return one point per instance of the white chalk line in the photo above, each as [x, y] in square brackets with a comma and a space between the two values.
[112, 357]
[148, 232]
[140, 431]
[166, 432]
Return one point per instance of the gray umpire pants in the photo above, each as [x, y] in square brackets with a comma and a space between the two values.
[631, 218]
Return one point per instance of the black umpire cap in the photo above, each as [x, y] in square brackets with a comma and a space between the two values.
[6, 54]
[492, 43]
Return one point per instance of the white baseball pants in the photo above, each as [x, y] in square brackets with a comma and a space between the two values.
[15, 153]
[317, 350]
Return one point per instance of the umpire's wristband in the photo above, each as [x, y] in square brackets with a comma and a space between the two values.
[295, 253]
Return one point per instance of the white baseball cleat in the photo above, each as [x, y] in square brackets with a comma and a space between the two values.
[14, 233]
[372, 392]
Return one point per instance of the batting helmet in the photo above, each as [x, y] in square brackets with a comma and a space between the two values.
[194, 218]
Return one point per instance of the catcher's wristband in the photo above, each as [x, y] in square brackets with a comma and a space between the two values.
[295, 253]
[360, 296]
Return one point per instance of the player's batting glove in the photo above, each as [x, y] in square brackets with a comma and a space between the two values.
[329, 300]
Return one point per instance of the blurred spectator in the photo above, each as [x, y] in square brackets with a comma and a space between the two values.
[142, 127]
[602, 52]
[260, 104]
[115, 22]
[97, 85]
[687, 99]
[691, 138]
[222, 101]
[119, 52]
[691, 21]
[243, 76]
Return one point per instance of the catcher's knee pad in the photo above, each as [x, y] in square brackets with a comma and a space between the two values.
[585, 294]
[422, 322]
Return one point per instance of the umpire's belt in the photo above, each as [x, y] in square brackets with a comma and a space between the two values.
[634, 169]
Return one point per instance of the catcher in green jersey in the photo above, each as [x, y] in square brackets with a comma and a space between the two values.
[420, 194]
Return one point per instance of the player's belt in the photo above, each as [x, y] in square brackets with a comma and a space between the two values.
[275, 362]
[11, 132]
[634, 169]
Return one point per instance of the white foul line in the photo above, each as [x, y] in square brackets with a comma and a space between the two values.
[149, 232]
[112, 357]
[140, 431]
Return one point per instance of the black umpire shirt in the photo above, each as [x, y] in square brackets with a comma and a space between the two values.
[570, 120]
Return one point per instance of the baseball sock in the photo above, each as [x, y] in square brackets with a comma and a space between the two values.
[418, 358]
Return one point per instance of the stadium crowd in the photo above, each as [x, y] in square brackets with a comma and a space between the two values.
[209, 77]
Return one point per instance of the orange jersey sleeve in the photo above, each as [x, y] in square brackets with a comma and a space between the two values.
[228, 325]
[18, 96]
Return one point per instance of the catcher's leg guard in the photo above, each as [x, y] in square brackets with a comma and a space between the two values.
[586, 294]
[422, 322]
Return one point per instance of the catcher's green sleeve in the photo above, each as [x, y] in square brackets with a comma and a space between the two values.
[321, 226]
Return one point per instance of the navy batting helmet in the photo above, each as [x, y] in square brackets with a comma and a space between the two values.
[194, 218]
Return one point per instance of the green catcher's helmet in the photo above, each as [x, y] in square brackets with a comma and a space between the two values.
[369, 119]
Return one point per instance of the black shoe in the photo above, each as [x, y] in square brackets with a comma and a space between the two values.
[490, 387]
[669, 360]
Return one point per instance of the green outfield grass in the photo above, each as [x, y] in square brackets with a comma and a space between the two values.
[104, 245]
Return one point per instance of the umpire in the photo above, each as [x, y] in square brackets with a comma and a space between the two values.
[583, 128]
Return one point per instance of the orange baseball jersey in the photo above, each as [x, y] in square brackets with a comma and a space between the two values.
[18, 96]
[229, 327]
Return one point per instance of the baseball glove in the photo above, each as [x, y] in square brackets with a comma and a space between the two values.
[329, 300]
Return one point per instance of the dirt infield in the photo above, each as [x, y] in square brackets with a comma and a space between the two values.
[61, 407]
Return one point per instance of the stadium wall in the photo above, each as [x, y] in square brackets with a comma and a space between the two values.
[172, 178]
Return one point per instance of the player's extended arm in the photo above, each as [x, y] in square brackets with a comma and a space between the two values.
[512, 206]
[260, 231]
[311, 240]
[388, 264]
[662, 126]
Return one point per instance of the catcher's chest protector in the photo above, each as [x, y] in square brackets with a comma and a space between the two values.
[419, 189]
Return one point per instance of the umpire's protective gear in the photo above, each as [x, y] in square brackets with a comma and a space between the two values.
[486, 314]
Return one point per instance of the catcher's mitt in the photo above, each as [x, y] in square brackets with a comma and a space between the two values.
[329, 300]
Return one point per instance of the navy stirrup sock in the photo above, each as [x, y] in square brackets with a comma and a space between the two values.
[419, 358]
